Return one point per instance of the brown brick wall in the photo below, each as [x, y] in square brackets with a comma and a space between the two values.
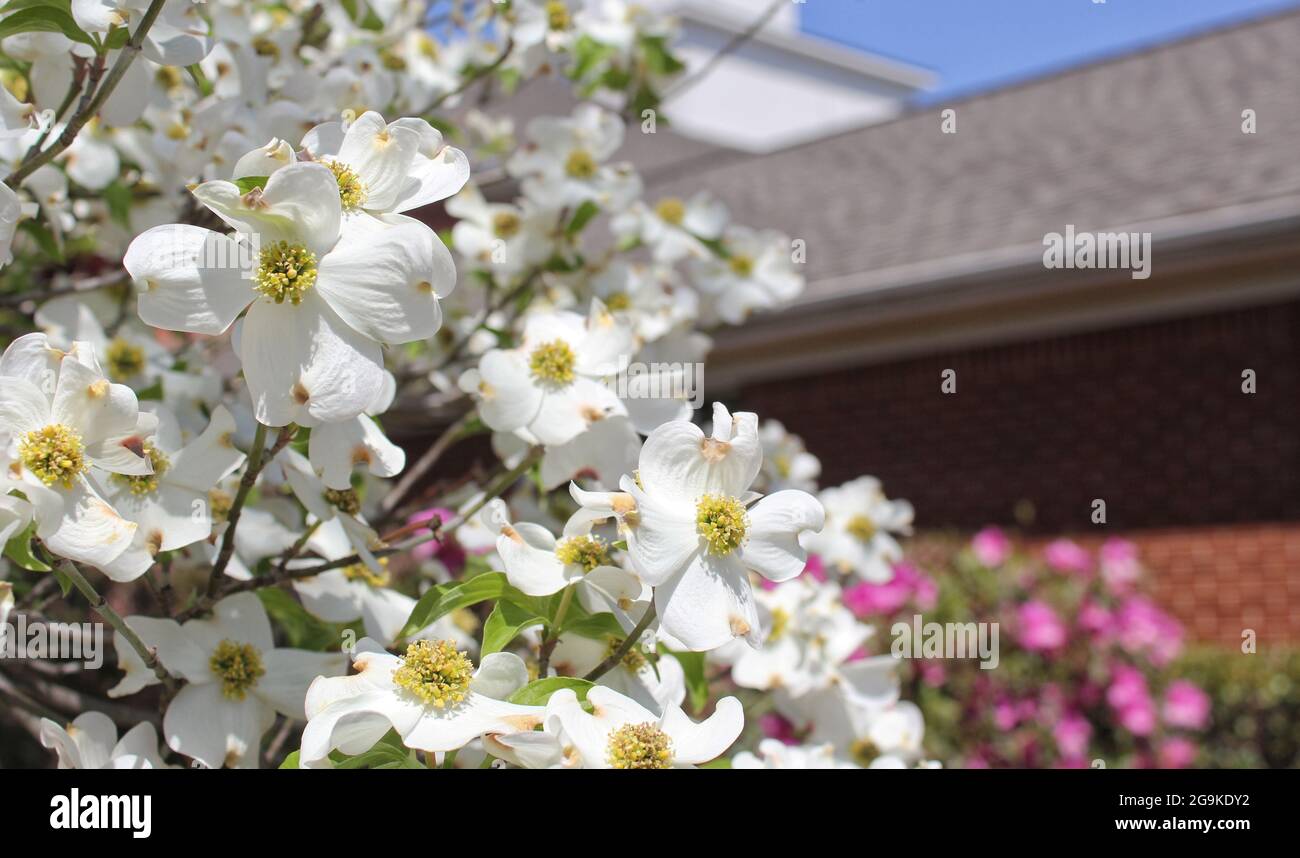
[1150, 418]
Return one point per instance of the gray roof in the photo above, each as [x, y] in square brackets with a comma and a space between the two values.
[1152, 139]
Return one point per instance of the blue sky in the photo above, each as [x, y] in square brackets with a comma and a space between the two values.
[975, 45]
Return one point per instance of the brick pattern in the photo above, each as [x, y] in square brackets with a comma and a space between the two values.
[1150, 418]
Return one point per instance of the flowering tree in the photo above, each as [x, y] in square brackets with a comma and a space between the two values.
[220, 281]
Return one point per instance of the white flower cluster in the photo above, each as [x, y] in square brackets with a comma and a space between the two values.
[215, 218]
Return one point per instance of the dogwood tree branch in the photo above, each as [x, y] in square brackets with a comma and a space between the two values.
[257, 458]
[624, 648]
[92, 100]
[147, 654]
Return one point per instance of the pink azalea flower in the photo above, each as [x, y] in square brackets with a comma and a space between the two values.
[1119, 565]
[1072, 733]
[1039, 627]
[1186, 706]
[448, 552]
[1177, 753]
[991, 547]
[1141, 627]
[1065, 555]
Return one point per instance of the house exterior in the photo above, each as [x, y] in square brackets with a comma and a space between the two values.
[1175, 399]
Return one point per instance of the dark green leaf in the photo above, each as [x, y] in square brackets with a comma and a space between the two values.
[585, 213]
[19, 550]
[44, 19]
[505, 623]
[539, 691]
[301, 629]
[696, 682]
[445, 598]
[247, 183]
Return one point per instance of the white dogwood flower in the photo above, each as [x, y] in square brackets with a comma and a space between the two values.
[62, 418]
[775, 754]
[325, 293]
[860, 527]
[391, 167]
[11, 211]
[237, 679]
[336, 449]
[563, 162]
[697, 531]
[758, 273]
[673, 228]
[620, 733]
[787, 464]
[90, 742]
[552, 384]
[173, 505]
[432, 696]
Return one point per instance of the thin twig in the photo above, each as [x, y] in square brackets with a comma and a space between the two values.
[257, 457]
[430, 458]
[147, 654]
[91, 104]
[473, 77]
[730, 47]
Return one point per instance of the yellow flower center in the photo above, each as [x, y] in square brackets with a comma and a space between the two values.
[362, 572]
[585, 551]
[344, 500]
[264, 47]
[557, 15]
[580, 164]
[634, 659]
[618, 301]
[219, 504]
[741, 265]
[54, 453]
[722, 521]
[553, 363]
[640, 746]
[671, 210]
[352, 193]
[863, 751]
[861, 528]
[238, 666]
[145, 484]
[168, 77]
[782, 464]
[125, 359]
[435, 672]
[780, 624]
[285, 272]
[505, 224]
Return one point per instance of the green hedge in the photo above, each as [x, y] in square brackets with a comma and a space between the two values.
[1256, 706]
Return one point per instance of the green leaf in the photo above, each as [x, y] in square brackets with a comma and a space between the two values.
[117, 38]
[388, 753]
[19, 550]
[585, 213]
[696, 682]
[505, 623]
[117, 197]
[658, 58]
[445, 598]
[247, 183]
[595, 626]
[44, 238]
[291, 761]
[44, 19]
[537, 692]
[301, 629]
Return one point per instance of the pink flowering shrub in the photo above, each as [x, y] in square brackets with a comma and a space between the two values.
[1085, 659]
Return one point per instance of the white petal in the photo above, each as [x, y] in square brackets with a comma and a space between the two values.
[305, 365]
[192, 279]
[500, 675]
[203, 724]
[698, 743]
[289, 672]
[508, 399]
[772, 545]
[709, 604]
[380, 279]
[300, 205]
